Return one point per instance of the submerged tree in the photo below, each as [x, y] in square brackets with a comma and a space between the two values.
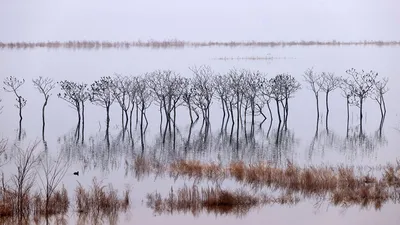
[144, 99]
[12, 84]
[378, 92]
[362, 84]
[203, 89]
[101, 95]
[313, 79]
[347, 92]
[121, 91]
[76, 95]
[328, 83]
[44, 86]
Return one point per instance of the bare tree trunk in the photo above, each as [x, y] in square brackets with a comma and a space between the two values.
[278, 111]
[327, 111]
[130, 125]
[190, 112]
[361, 115]
[141, 127]
[108, 125]
[348, 114]
[261, 112]
[317, 99]
[43, 119]
[20, 118]
[78, 126]
[83, 122]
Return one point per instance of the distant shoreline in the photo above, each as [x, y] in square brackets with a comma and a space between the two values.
[84, 44]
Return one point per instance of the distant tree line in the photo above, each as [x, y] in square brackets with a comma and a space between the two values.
[242, 94]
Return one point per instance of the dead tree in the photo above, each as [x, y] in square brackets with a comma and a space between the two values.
[44, 86]
[133, 100]
[346, 86]
[378, 92]
[187, 96]
[236, 81]
[53, 171]
[362, 85]
[265, 99]
[144, 99]
[101, 95]
[253, 85]
[120, 91]
[289, 86]
[203, 89]
[76, 95]
[26, 161]
[313, 79]
[12, 84]
[222, 91]
[328, 83]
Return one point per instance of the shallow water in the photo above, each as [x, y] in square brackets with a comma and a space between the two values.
[299, 144]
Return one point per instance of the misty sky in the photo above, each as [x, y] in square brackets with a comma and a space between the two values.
[216, 20]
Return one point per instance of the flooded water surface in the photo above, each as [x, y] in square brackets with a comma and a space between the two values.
[142, 158]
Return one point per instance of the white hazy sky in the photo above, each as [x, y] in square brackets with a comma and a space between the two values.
[216, 20]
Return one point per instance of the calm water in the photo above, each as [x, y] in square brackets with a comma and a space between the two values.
[299, 145]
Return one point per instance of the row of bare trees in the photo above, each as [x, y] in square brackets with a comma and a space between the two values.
[356, 88]
[242, 94]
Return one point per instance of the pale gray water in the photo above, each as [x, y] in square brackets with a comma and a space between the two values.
[87, 66]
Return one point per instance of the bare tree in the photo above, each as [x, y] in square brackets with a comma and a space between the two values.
[236, 80]
[12, 84]
[328, 83]
[101, 95]
[76, 95]
[187, 96]
[133, 99]
[44, 86]
[253, 86]
[379, 90]
[313, 79]
[265, 98]
[347, 92]
[221, 87]
[120, 91]
[144, 100]
[203, 89]
[53, 171]
[290, 86]
[362, 85]
[26, 162]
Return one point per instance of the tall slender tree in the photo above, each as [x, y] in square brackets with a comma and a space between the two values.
[101, 95]
[362, 85]
[44, 86]
[12, 84]
[328, 83]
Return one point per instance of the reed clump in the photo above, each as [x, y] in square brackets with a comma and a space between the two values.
[100, 198]
[195, 200]
[197, 170]
[58, 203]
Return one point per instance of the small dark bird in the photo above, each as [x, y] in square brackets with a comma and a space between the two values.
[76, 173]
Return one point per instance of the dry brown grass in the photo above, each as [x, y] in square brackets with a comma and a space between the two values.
[195, 200]
[58, 202]
[100, 198]
[197, 170]
[368, 194]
